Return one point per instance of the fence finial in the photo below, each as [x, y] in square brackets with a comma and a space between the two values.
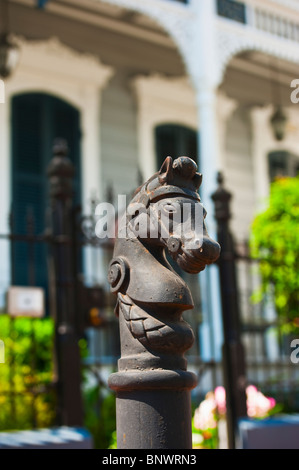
[61, 171]
[221, 198]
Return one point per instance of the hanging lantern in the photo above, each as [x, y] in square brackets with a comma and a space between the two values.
[9, 56]
[279, 123]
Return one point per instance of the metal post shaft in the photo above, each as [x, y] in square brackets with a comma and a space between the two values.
[233, 355]
[68, 361]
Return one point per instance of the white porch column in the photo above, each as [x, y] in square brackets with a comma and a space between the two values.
[92, 175]
[5, 200]
[92, 180]
[262, 144]
[206, 81]
[211, 330]
[91, 160]
[225, 108]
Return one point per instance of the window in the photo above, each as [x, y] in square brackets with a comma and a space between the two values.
[282, 163]
[37, 120]
[231, 9]
[174, 140]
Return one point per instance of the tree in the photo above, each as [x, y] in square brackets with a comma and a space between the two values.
[275, 242]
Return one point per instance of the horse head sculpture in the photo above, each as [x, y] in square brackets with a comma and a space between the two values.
[164, 216]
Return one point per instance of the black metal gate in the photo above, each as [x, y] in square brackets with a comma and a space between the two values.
[247, 324]
[41, 379]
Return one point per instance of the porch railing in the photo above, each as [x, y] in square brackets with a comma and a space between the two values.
[281, 24]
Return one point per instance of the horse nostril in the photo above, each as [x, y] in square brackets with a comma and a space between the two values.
[209, 251]
[173, 245]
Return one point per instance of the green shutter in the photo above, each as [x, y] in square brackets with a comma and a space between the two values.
[175, 141]
[278, 164]
[36, 120]
[66, 124]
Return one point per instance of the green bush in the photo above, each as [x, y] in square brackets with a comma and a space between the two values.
[27, 399]
[275, 242]
[100, 415]
[26, 373]
[99, 404]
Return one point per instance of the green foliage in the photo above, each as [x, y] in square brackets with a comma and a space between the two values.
[26, 397]
[99, 404]
[25, 373]
[205, 439]
[113, 444]
[275, 242]
[100, 415]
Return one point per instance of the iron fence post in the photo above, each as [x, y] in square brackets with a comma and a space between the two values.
[67, 354]
[152, 385]
[233, 356]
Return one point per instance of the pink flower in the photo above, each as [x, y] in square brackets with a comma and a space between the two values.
[272, 402]
[258, 405]
[204, 416]
[220, 398]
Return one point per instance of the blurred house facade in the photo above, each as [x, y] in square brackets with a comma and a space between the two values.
[128, 82]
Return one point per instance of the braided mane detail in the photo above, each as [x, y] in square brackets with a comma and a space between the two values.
[154, 334]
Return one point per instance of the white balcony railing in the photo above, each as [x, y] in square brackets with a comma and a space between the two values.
[276, 24]
[273, 21]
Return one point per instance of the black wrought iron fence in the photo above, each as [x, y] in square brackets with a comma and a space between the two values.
[267, 346]
[44, 360]
[27, 376]
[63, 258]
[255, 351]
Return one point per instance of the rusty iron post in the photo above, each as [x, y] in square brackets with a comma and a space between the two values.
[152, 385]
[233, 356]
[67, 354]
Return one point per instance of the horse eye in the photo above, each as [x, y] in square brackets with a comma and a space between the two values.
[169, 208]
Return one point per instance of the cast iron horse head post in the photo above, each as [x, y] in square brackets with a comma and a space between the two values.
[152, 385]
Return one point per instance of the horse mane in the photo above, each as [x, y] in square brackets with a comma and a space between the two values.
[179, 176]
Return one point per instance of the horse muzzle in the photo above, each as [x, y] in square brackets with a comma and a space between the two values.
[194, 260]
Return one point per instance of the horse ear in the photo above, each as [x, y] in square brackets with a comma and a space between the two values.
[197, 180]
[166, 171]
